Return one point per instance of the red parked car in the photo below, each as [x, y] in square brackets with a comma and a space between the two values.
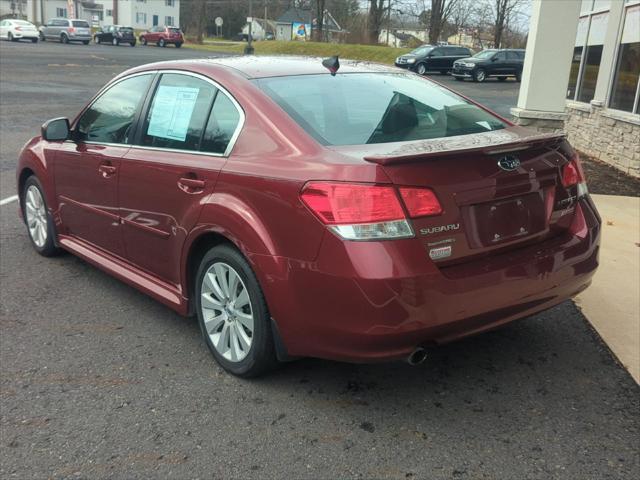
[359, 216]
[162, 36]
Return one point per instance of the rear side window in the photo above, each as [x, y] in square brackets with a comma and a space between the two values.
[179, 110]
[363, 108]
[222, 124]
[109, 118]
[80, 24]
[174, 30]
[513, 56]
[500, 56]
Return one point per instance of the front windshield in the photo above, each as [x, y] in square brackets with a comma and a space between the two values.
[485, 54]
[420, 51]
[362, 108]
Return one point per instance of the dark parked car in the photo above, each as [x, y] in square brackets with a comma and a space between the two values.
[115, 35]
[432, 58]
[490, 63]
[163, 36]
[362, 216]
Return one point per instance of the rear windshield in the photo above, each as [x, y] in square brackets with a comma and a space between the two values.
[80, 23]
[126, 29]
[362, 108]
[22, 22]
[174, 30]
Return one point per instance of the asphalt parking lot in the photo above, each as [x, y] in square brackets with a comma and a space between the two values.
[98, 380]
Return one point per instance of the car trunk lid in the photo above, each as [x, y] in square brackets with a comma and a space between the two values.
[498, 190]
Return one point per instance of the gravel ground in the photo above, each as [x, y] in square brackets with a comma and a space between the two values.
[99, 381]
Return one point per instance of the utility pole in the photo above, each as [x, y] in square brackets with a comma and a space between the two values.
[249, 50]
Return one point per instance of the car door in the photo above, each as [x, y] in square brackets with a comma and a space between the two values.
[513, 62]
[182, 144]
[86, 167]
[499, 65]
[436, 59]
[49, 29]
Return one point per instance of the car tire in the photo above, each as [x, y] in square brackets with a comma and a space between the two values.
[40, 225]
[459, 79]
[518, 76]
[479, 75]
[34, 40]
[178, 45]
[162, 43]
[133, 44]
[42, 37]
[85, 42]
[502, 79]
[242, 347]
[143, 41]
[444, 72]
[421, 69]
[10, 37]
[115, 42]
[64, 39]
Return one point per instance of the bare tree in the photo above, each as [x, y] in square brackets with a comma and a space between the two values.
[320, 8]
[377, 11]
[502, 12]
[440, 11]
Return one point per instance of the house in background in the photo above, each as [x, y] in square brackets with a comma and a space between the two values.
[140, 14]
[260, 29]
[403, 33]
[298, 23]
[472, 39]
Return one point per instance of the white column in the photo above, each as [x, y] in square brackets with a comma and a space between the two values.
[552, 34]
[607, 63]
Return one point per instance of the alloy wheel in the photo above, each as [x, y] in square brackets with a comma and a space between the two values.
[36, 214]
[227, 311]
[422, 69]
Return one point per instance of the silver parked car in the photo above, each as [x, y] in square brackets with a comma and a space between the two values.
[66, 30]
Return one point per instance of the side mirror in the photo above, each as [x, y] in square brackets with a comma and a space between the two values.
[56, 130]
[494, 59]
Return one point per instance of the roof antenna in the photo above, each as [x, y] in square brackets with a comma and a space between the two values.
[332, 64]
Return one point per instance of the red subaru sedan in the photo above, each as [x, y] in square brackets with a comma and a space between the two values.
[363, 215]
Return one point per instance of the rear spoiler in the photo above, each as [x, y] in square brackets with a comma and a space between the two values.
[490, 143]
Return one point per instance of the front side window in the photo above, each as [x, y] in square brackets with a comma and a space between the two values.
[178, 113]
[110, 117]
[363, 108]
[626, 83]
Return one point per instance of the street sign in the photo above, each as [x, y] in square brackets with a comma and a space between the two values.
[219, 21]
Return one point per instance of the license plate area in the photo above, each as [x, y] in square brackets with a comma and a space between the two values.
[505, 220]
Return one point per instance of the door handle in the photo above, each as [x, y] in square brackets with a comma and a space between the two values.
[191, 185]
[107, 170]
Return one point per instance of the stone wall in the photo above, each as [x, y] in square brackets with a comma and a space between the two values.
[612, 137]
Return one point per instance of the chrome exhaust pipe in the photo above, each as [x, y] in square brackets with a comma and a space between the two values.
[418, 356]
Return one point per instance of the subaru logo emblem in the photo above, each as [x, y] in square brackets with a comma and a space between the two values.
[509, 163]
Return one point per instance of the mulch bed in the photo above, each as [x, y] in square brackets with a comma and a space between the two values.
[607, 180]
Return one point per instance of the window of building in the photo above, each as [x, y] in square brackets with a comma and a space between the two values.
[141, 18]
[168, 21]
[61, 12]
[170, 3]
[109, 13]
[109, 118]
[626, 84]
[587, 55]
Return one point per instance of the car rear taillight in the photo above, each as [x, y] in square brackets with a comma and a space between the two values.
[18, 28]
[420, 202]
[71, 29]
[572, 174]
[357, 211]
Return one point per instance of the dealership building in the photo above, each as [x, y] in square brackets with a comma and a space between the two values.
[139, 14]
[581, 75]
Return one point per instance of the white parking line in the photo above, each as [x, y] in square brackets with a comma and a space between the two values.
[4, 201]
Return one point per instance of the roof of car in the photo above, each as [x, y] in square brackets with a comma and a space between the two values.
[279, 66]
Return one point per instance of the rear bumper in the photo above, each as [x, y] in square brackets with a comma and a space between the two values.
[374, 301]
[79, 38]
